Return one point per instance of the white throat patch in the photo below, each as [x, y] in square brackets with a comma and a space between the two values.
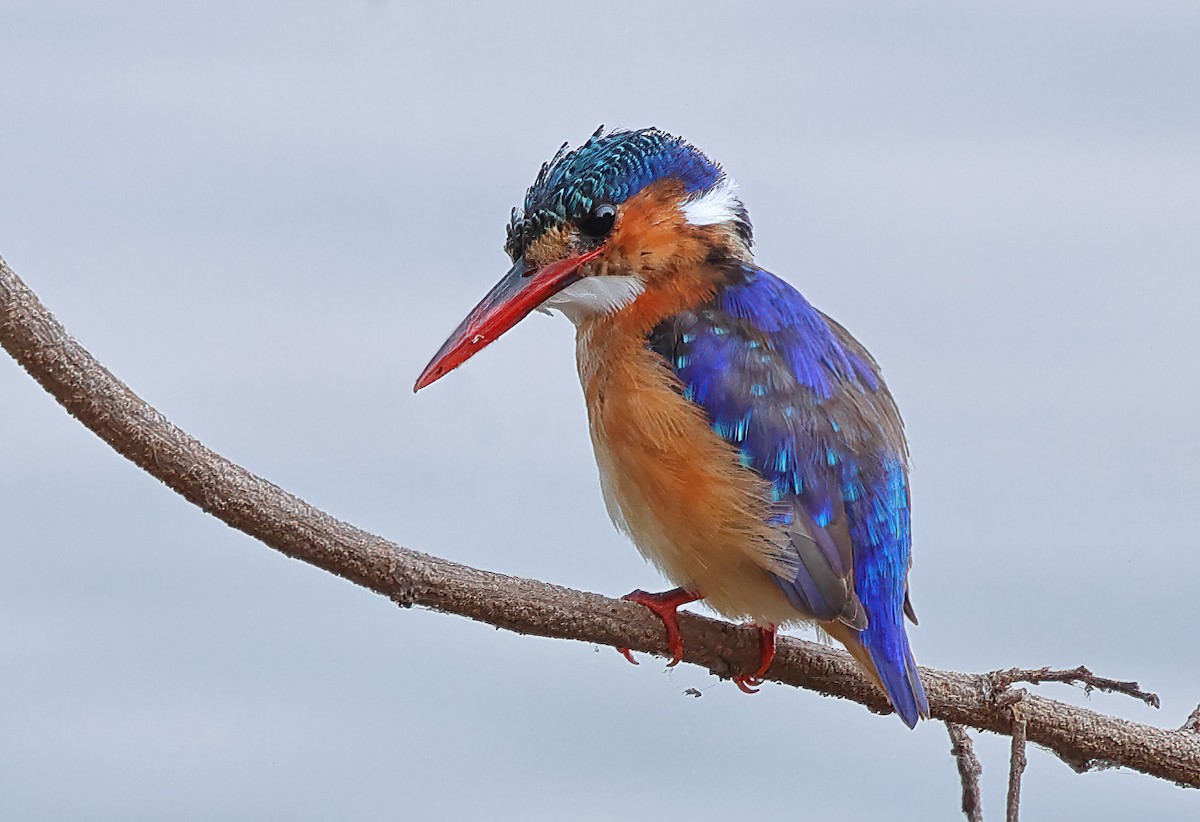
[590, 296]
[720, 204]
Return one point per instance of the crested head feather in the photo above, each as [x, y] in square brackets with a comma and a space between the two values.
[610, 167]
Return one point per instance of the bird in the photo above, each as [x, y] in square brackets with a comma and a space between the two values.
[746, 442]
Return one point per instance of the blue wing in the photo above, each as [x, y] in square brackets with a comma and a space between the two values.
[807, 408]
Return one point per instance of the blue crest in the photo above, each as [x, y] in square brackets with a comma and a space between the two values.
[608, 168]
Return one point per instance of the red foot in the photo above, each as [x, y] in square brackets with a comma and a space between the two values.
[665, 605]
[748, 683]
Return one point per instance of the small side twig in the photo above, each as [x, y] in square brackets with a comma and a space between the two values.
[1192, 723]
[1081, 676]
[1017, 762]
[969, 771]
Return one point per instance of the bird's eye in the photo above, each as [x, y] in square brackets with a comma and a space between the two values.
[598, 222]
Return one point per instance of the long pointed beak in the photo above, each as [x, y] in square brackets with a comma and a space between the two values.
[511, 300]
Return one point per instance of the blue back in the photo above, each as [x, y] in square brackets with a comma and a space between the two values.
[807, 408]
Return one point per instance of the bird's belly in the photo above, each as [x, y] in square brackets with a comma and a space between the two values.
[691, 547]
[681, 495]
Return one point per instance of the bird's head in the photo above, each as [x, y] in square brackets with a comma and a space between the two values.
[628, 217]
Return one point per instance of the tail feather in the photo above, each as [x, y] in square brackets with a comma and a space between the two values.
[902, 683]
[890, 665]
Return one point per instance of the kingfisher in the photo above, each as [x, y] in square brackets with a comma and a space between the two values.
[745, 441]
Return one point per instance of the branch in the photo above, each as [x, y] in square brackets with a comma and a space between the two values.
[290, 525]
[1017, 763]
[969, 771]
[1081, 676]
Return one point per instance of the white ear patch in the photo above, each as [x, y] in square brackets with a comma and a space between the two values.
[595, 295]
[720, 204]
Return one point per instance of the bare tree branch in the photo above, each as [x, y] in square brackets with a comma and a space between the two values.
[290, 525]
[969, 771]
[1017, 762]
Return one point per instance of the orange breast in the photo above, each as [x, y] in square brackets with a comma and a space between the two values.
[673, 485]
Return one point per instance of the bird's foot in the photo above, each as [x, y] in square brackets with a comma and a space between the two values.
[748, 683]
[665, 606]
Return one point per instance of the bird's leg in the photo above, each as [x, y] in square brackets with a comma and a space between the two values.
[748, 683]
[665, 605]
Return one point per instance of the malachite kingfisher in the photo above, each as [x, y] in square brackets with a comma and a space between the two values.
[746, 442]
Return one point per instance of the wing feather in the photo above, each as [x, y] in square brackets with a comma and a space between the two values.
[807, 408]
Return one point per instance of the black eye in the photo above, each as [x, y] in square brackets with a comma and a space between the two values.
[599, 222]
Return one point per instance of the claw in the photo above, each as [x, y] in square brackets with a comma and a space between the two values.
[748, 683]
[744, 683]
[665, 606]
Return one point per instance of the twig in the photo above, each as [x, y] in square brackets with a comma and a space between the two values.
[969, 771]
[1192, 723]
[1016, 765]
[290, 525]
[1081, 676]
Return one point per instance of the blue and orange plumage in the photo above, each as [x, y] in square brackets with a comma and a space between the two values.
[746, 442]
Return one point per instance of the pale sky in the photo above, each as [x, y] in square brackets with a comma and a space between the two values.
[266, 218]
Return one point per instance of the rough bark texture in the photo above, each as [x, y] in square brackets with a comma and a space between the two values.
[969, 771]
[1017, 763]
[290, 525]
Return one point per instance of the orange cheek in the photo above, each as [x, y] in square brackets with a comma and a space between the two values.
[653, 240]
[652, 235]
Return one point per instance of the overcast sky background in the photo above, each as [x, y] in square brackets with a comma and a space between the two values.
[266, 217]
